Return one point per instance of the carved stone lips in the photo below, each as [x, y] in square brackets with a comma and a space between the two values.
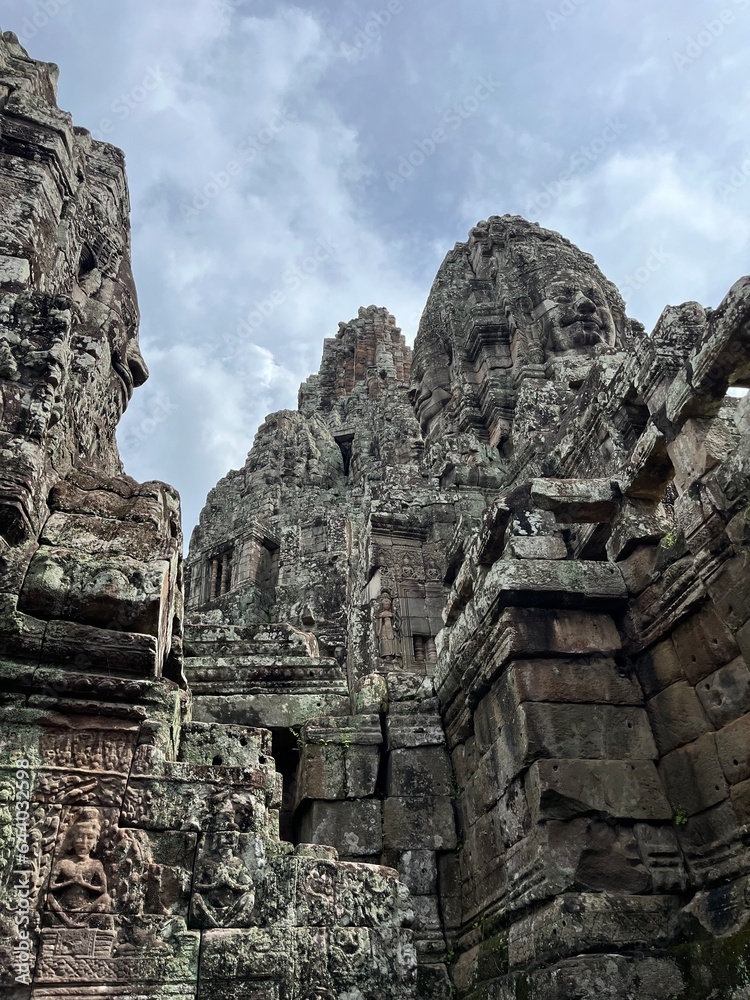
[123, 372]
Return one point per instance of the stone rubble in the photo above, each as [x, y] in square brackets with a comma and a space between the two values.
[450, 697]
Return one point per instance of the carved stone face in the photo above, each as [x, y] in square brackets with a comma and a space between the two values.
[431, 392]
[575, 315]
[83, 839]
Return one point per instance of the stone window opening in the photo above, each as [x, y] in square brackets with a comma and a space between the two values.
[345, 442]
[285, 749]
[219, 575]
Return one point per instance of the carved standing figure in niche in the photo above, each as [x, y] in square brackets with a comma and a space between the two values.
[224, 896]
[78, 894]
[384, 627]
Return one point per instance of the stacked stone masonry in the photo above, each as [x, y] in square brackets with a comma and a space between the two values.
[451, 696]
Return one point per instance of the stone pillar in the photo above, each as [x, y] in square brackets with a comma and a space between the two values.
[214, 591]
[430, 650]
[226, 573]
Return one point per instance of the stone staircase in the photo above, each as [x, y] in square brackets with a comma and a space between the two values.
[265, 674]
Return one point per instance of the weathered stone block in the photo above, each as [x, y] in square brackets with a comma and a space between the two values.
[578, 732]
[320, 773]
[594, 586]
[15, 272]
[729, 592]
[370, 694]
[582, 854]
[733, 748]
[576, 501]
[84, 648]
[659, 668]
[593, 977]
[692, 776]
[224, 746]
[563, 789]
[587, 731]
[115, 593]
[259, 958]
[354, 827]
[405, 732]
[267, 708]
[420, 771]
[417, 869]
[712, 840]
[638, 569]
[676, 716]
[426, 914]
[634, 525]
[537, 547]
[404, 826]
[591, 681]
[587, 922]
[361, 767]
[725, 694]
[703, 643]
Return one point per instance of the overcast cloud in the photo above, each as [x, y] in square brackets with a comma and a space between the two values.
[289, 163]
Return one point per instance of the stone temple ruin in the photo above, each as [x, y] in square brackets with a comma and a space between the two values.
[450, 697]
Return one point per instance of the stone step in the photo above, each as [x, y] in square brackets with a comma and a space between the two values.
[263, 632]
[244, 650]
[253, 661]
[273, 685]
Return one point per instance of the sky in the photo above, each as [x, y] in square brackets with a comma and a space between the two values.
[289, 163]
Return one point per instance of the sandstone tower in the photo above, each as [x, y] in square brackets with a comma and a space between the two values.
[450, 698]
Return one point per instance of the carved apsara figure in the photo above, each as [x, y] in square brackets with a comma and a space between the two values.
[224, 896]
[78, 894]
[384, 627]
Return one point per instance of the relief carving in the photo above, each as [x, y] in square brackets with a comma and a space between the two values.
[223, 890]
[385, 627]
[78, 895]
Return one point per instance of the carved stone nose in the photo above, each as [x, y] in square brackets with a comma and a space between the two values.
[585, 304]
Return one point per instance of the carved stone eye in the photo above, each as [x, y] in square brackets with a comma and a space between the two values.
[87, 261]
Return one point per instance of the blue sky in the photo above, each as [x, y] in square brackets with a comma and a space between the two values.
[289, 163]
